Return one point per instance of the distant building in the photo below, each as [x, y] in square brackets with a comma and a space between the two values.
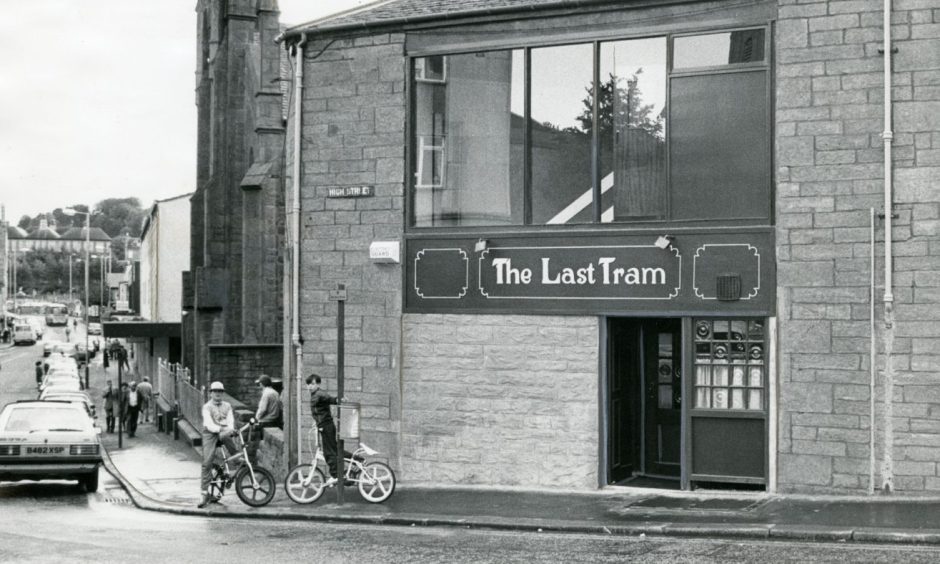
[73, 240]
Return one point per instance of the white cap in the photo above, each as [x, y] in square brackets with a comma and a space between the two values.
[216, 386]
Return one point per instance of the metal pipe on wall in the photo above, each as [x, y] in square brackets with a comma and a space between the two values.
[295, 235]
[873, 358]
[887, 135]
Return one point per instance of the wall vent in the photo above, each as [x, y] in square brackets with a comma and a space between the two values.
[729, 287]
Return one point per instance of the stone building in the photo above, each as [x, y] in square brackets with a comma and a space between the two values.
[232, 289]
[667, 284]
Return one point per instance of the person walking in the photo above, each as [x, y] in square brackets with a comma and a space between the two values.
[122, 358]
[218, 427]
[40, 372]
[110, 396]
[68, 333]
[133, 409]
[145, 389]
[320, 403]
[122, 404]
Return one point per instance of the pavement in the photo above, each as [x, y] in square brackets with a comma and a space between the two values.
[162, 474]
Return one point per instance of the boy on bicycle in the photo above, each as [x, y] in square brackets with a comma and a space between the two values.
[218, 426]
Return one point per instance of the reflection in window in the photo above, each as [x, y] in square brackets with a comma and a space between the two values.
[632, 129]
[561, 117]
[468, 139]
[716, 49]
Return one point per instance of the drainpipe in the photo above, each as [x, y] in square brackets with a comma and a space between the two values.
[295, 235]
[888, 136]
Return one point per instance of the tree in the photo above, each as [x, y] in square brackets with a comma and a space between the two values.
[620, 106]
[119, 215]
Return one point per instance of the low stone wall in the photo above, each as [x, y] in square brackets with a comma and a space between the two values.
[271, 453]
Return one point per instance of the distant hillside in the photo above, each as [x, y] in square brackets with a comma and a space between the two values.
[116, 216]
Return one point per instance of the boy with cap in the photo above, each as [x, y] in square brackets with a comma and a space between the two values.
[218, 426]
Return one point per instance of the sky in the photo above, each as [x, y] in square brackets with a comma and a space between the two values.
[97, 99]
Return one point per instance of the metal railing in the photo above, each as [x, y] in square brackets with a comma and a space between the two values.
[174, 383]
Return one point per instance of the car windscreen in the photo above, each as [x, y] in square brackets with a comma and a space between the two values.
[34, 419]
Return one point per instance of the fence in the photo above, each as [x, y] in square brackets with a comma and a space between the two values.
[174, 383]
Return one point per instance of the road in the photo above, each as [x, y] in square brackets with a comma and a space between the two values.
[57, 521]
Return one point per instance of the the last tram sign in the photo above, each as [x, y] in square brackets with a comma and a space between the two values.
[550, 276]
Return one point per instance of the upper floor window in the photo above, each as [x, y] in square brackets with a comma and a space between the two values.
[525, 137]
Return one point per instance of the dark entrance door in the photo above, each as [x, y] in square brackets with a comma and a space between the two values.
[662, 375]
[644, 398]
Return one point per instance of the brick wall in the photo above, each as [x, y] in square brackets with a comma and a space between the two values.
[500, 400]
[238, 366]
[829, 109]
[354, 134]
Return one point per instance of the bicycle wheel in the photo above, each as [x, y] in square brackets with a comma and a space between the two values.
[248, 492]
[299, 491]
[217, 482]
[377, 482]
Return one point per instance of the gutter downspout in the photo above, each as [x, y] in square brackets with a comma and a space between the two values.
[887, 135]
[295, 234]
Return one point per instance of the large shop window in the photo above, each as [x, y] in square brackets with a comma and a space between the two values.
[525, 136]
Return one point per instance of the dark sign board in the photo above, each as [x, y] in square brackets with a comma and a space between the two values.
[592, 273]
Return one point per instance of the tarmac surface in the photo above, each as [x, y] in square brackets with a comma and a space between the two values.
[162, 474]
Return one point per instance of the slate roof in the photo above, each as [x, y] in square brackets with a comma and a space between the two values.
[78, 234]
[43, 233]
[384, 12]
[16, 232]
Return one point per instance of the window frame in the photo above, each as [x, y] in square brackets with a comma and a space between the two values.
[596, 222]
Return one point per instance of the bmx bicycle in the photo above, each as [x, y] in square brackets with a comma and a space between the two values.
[254, 485]
[306, 482]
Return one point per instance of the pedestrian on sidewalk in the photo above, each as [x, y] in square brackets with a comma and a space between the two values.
[133, 409]
[218, 427]
[122, 404]
[110, 399]
[68, 333]
[320, 403]
[122, 358]
[39, 373]
[145, 389]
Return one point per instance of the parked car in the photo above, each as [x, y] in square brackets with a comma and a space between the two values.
[81, 398]
[38, 326]
[49, 440]
[65, 381]
[24, 334]
[48, 347]
[94, 328]
[67, 349]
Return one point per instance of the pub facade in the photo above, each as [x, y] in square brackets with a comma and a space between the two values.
[608, 243]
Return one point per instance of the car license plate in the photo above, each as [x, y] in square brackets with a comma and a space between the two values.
[44, 450]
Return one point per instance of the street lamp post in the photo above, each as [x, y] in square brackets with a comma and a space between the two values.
[70, 279]
[70, 212]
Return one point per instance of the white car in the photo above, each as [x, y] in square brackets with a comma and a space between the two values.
[80, 398]
[94, 328]
[49, 440]
[61, 381]
[24, 334]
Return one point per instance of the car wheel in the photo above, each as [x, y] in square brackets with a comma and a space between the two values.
[91, 482]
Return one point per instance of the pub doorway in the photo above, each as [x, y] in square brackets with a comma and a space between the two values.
[644, 395]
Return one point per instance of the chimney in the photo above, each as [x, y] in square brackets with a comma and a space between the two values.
[43, 223]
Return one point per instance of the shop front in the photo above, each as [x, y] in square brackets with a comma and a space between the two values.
[683, 376]
[622, 175]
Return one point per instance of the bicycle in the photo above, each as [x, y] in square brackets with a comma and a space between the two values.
[306, 482]
[254, 485]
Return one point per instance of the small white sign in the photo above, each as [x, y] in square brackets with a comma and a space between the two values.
[385, 252]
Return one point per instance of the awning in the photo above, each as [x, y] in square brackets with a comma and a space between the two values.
[125, 329]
